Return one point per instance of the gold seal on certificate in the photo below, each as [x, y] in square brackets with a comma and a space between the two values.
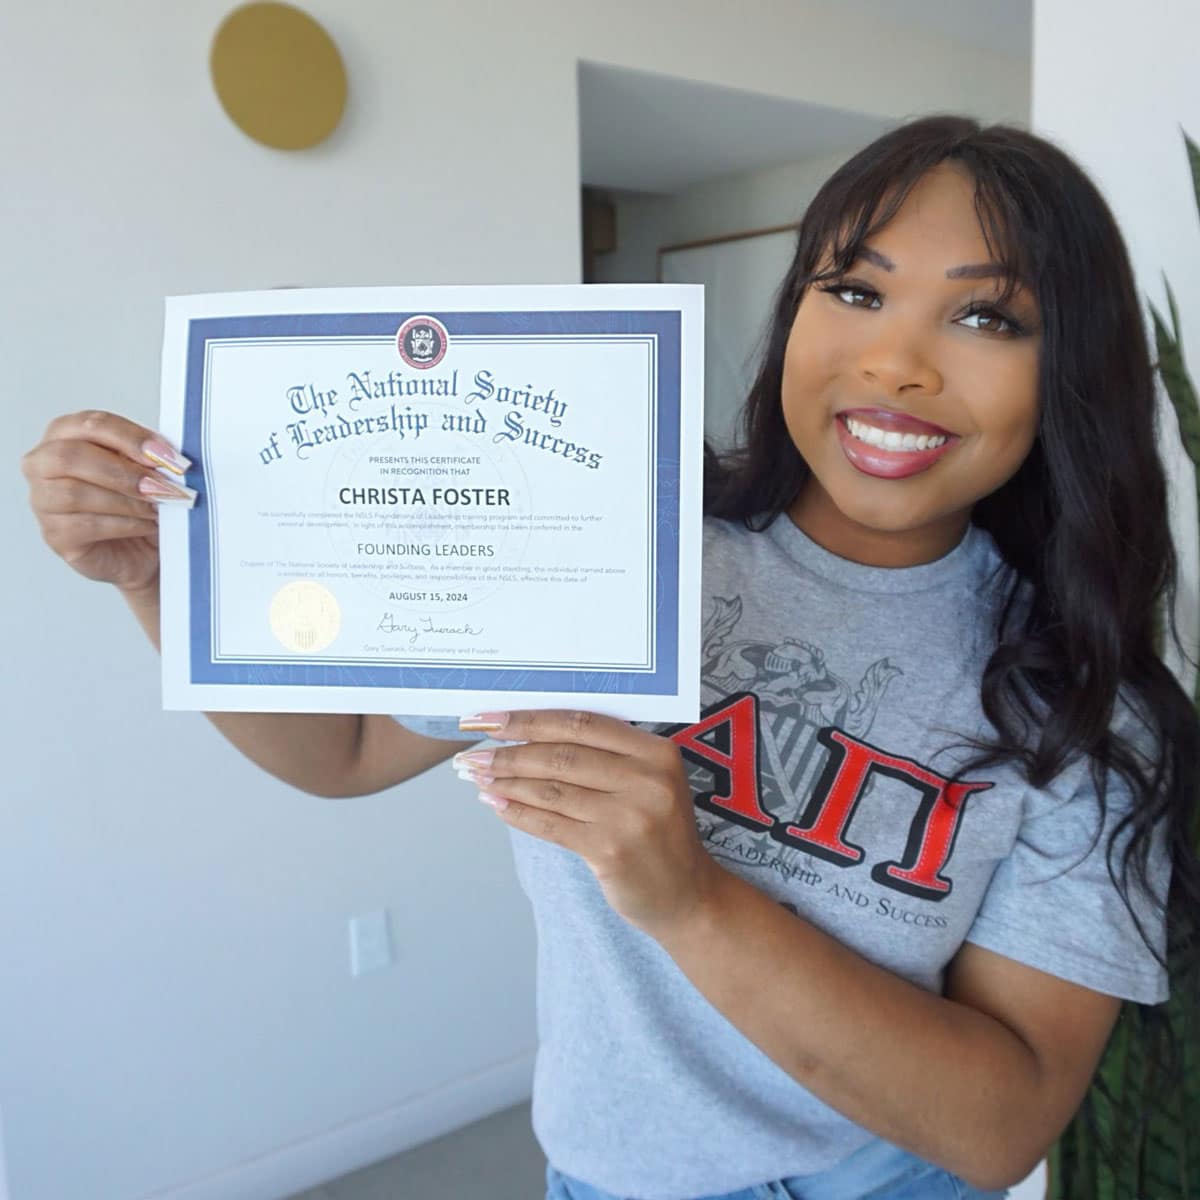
[305, 616]
[436, 500]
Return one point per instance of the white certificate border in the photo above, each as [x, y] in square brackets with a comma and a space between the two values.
[681, 704]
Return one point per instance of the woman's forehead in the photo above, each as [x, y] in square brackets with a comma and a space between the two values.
[992, 256]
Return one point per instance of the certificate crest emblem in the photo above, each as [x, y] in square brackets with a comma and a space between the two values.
[422, 342]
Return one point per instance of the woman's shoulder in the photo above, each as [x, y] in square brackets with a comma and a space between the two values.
[733, 548]
[723, 527]
[1134, 723]
[723, 535]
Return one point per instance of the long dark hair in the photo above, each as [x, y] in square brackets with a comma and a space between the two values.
[1083, 522]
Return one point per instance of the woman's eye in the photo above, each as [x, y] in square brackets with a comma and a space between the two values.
[1007, 325]
[993, 315]
[840, 289]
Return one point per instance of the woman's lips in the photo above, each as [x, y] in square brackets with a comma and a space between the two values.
[890, 464]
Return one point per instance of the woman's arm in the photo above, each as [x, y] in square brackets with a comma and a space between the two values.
[981, 1080]
[94, 488]
[325, 754]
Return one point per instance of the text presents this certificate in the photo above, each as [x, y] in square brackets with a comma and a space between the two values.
[435, 500]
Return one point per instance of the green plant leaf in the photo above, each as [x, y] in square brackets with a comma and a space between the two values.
[1135, 1134]
[1173, 372]
[1193, 153]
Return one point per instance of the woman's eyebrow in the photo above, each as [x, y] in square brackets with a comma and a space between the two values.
[969, 271]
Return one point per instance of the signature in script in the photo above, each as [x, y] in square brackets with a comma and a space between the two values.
[426, 626]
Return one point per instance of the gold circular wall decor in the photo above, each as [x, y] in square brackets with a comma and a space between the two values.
[278, 75]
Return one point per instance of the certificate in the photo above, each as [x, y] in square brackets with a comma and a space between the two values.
[436, 500]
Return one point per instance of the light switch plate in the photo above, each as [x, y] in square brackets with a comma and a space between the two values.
[370, 945]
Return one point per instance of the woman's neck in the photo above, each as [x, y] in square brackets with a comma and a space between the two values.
[815, 514]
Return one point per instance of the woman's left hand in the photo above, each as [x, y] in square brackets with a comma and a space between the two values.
[614, 794]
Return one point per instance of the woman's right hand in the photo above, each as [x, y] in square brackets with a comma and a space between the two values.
[95, 492]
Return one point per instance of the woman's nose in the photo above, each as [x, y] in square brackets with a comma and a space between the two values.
[896, 360]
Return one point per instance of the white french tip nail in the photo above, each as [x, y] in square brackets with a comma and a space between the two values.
[157, 489]
[188, 501]
[162, 454]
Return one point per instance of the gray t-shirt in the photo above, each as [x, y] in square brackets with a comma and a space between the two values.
[830, 692]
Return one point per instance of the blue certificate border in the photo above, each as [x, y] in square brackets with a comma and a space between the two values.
[661, 679]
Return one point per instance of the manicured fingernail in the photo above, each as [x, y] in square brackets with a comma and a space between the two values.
[160, 485]
[488, 722]
[160, 490]
[474, 758]
[497, 802]
[163, 455]
[476, 777]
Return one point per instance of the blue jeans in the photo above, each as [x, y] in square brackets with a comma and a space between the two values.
[879, 1171]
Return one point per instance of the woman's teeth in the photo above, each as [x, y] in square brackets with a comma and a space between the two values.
[887, 439]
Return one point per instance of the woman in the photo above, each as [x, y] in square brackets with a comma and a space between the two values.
[809, 947]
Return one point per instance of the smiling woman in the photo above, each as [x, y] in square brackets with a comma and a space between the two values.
[931, 828]
[934, 352]
[864, 928]
[945, 285]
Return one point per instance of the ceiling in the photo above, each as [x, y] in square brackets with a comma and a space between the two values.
[643, 132]
[654, 133]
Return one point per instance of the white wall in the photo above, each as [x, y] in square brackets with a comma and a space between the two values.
[177, 1007]
[1113, 91]
[730, 204]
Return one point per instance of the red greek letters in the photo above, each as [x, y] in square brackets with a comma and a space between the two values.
[726, 740]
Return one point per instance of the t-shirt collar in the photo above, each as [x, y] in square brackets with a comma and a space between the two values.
[962, 560]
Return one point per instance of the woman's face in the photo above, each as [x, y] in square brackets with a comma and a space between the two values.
[907, 406]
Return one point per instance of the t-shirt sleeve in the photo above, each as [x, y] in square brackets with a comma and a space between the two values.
[439, 727]
[1052, 905]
